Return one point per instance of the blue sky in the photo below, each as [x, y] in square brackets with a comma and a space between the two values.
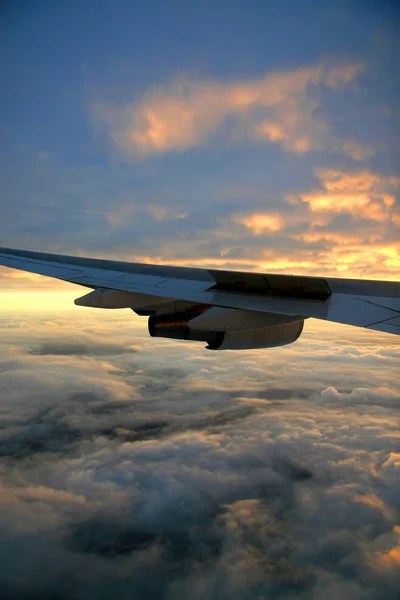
[126, 133]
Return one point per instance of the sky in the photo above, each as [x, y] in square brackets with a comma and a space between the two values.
[241, 135]
[258, 136]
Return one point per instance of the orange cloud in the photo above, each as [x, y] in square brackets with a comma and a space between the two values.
[363, 194]
[352, 258]
[373, 501]
[388, 559]
[393, 460]
[391, 558]
[374, 246]
[273, 131]
[184, 113]
[360, 204]
[370, 249]
[261, 222]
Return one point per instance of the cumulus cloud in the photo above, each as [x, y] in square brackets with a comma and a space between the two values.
[196, 483]
[362, 396]
[280, 107]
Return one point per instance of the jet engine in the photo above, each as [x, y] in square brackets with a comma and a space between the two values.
[177, 326]
[266, 337]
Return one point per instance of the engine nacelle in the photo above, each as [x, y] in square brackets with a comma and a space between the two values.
[266, 337]
[177, 327]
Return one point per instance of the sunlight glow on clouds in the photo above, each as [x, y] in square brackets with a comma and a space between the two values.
[279, 107]
[369, 199]
[261, 222]
[347, 224]
[365, 194]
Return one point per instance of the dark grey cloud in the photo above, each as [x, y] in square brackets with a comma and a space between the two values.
[157, 429]
[176, 473]
[92, 348]
[37, 438]
[87, 416]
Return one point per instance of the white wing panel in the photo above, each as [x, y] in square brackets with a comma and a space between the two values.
[353, 310]
[387, 327]
[47, 269]
[112, 279]
[391, 303]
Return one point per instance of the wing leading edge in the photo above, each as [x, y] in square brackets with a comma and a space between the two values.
[363, 303]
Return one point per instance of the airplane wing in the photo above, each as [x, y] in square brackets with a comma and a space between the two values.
[205, 300]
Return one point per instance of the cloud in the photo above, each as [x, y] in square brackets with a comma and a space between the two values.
[162, 213]
[362, 396]
[355, 213]
[365, 194]
[72, 348]
[196, 483]
[262, 222]
[12, 279]
[346, 223]
[36, 437]
[280, 107]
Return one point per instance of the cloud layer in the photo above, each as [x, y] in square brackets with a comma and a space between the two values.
[156, 474]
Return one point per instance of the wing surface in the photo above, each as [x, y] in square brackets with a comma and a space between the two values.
[363, 303]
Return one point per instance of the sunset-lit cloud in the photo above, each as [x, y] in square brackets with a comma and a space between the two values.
[390, 559]
[366, 195]
[369, 200]
[278, 107]
[262, 222]
[376, 503]
[386, 558]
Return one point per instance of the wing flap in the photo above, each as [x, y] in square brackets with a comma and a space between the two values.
[284, 286]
